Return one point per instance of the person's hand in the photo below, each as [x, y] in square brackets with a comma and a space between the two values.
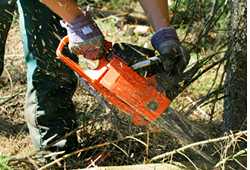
[85, 37]
[166, 41]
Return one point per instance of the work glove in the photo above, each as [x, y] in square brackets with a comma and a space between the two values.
[85, 37]
[166, 41]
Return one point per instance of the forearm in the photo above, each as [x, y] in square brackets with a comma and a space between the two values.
[68, 10]
[157, 13]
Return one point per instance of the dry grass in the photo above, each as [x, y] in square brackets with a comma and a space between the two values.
[14, 138]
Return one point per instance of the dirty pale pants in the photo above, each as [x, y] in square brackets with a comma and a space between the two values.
[49, 109]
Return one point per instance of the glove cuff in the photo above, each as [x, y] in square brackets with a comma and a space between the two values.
[83, 21]
[82, 28]
[163, 35]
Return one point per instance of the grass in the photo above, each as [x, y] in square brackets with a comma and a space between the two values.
[3, 162]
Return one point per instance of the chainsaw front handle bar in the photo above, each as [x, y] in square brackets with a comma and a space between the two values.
[67, 60]
[74, 66]
[154, 60]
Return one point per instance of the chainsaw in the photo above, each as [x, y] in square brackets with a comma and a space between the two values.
[119, 78]
[133, 79]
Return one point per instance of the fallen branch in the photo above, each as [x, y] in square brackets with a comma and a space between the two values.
[196, 144]
[142, 20]
[141, 167]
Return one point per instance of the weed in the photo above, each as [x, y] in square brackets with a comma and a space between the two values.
[4, 162]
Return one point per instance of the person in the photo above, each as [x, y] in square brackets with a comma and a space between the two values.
[86, 38]
[49, 110]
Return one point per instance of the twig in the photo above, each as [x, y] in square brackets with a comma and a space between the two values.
[239, 163]
[210, 19]
[14, 55]
[212, 100]
[11, 97]
[32, 162]
[91, 147]
[53, 143]
[190, 21]
[131, 137]
[205, 70]
[231, 157]
[147, 147]
[188, 159]
[11, 82]
[217, 94]
[121, 149]
[208, 29]
[204, 98]
[93, 162]
[198, 107]
[53, 154]
[205, 60]
[197, 144]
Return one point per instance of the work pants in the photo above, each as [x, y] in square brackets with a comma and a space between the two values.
[49, 110]
[6, 15]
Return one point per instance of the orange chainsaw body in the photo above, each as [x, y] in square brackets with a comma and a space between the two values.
[131, 93]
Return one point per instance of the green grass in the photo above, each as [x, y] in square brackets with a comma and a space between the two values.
[4, 162]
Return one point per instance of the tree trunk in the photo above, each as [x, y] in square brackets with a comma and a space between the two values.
[235, 105]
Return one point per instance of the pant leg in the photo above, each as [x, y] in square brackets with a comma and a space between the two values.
[6, 11]
[49, 109]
